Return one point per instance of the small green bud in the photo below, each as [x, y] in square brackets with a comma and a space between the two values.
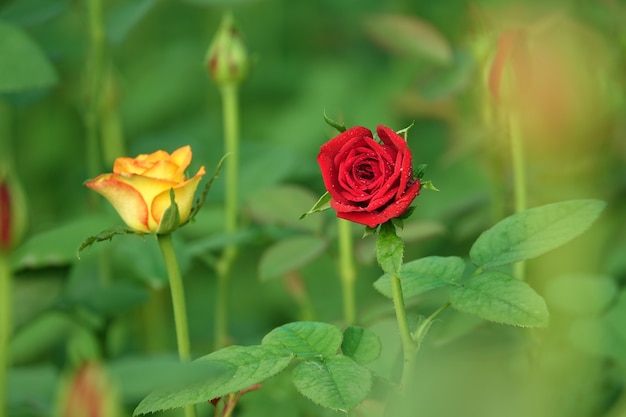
[13, 217]
[227, 59]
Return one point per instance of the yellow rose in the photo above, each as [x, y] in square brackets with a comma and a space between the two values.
[139, 188]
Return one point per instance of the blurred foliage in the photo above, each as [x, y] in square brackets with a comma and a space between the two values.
[363, 63]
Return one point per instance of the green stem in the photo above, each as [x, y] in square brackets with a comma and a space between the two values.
[5, 327]
[178, 303]
[347, 271]
[409, 348]
[519, 178]
[230, 110]
[95, 71]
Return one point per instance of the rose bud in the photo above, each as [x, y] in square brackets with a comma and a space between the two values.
[139, 188]
[227, 60]
[89, 393]
[369, 182]
[13, 217]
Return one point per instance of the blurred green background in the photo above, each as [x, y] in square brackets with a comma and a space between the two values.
[362, 62]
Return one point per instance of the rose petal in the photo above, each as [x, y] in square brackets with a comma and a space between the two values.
[406, 163]
[182, 157]
[183, 194]
[373, 219]
[126, 200]
[327, 154]
[165, 170]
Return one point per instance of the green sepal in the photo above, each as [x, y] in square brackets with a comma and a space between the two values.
[419, 171]
[405, 132]
[170, 220]
[200, 202]
[341, 127]
[370, 231]
[428, 185]
[323, 203]
[106, 235]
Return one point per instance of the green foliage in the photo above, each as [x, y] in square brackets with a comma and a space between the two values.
[171, 216]
[328, 377]
[389, 249]
[289, 254]
[361, 344]
[57, 246]
[306, 339]
[423, 275]
[23, 65]
[411, 37]
[338, 383]
[219, 373]
[533, 232]
[500, 298]
[281, 205]
[121, 20]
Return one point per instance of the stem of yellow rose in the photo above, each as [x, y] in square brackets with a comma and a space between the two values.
[347, 271]
[519, 178]
[178, 303]
[5, 327]
[409, 348]
[230, 110]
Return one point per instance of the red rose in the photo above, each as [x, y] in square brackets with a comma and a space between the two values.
[369, 182]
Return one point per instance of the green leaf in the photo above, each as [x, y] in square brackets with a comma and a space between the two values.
[533, 232]
[170, 220]
[121, 19]
[32, 12]
[338, 383]
[283, 205]
[323, 203]
[57, 246]
[423, 275]
[306, 339]
[389, 249]
[361, 344]
[500, 298]
[446, 82]
[36, 384]
[223, 372]
[410, 37]
[23, 65]
[137, 376]
[40, 335]
[289, 255]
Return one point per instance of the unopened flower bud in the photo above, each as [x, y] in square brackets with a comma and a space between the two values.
[90, 393]
[227, 59]
[13, 217]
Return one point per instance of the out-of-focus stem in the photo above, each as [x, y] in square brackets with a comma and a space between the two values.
[519, 178]
[5, 327]
[230, 110]
[95, 71]
[347, 271]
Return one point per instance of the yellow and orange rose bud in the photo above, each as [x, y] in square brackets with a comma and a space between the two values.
[139, 188]
[227, 59]
[13, 217]
[89, 392]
